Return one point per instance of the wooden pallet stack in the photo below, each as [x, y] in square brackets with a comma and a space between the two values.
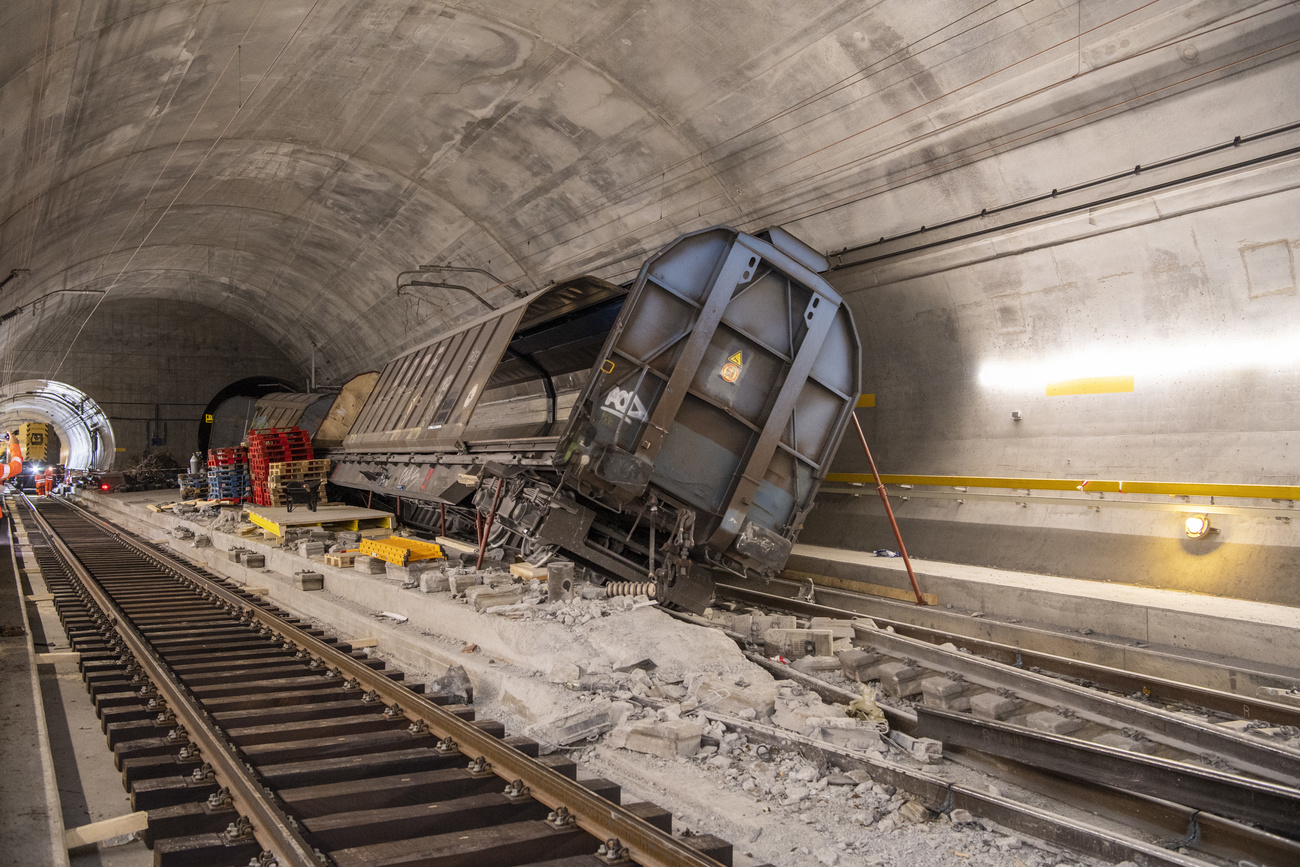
[314, 472]
[274, 445]
[193, 485]
[228, 477]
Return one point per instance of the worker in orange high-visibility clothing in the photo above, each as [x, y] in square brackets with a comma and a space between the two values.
[13, 465]
[45, 483]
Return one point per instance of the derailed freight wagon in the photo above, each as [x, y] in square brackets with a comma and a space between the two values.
[665, 433]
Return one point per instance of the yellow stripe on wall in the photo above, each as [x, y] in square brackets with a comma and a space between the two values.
[866, 400]
[1092, 486]
[1090, 385]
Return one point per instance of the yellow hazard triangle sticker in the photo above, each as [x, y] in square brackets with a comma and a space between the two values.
[731, 370]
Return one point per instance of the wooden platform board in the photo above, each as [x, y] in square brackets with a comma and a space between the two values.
[277, 518]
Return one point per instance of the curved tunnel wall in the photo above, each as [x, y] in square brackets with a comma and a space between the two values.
[1155, 337]
[152, 366]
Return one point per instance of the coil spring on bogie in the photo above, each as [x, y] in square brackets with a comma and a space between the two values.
[630, 588]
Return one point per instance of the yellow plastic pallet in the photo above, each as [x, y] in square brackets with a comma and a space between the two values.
[400, 551]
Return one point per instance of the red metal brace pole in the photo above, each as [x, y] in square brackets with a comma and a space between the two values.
[487, 526]
[884, 498]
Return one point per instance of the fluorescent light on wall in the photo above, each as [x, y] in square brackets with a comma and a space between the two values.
[1141, 361]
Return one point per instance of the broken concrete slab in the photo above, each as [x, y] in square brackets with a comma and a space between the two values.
[462, 579]
[722, 694]
[311, 548]
[848, 734]
[585, 722]
[811, 664]
[485, 596]
[665, 738]
[927, 750]
[434, 581]
[370, 565]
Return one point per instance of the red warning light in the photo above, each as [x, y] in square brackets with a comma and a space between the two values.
[106, 487]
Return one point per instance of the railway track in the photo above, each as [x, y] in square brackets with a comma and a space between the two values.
[1193, 770]
[250, 737]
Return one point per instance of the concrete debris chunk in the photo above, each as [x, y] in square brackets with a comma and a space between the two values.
[1286, 696]
[309, 581]
[962, 817]
[454, 687]
[434, 581]
[814, 664]
[485, 596]
[462, 579]
[721, 694]
[847, 734]
[311, 548]
[587, 722]
[202, 541]
[914, 812]
[926, 750]
[370, 565]
[666, 738]
[565, 673]
[796, 643]
[799, 716]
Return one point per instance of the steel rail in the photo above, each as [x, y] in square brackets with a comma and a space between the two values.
[1262, 759]
[273, 828]
[646, 845]
[943, 795]
[1275, 807]
[1108, 677]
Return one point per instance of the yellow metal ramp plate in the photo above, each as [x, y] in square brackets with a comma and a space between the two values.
[400, 551]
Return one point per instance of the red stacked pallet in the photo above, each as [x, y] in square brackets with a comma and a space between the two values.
[227, 457]
[273, 446]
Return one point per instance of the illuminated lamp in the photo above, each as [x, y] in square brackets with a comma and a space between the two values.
[1197, 526]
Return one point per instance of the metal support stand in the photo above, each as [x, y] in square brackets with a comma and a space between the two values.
[884, 498]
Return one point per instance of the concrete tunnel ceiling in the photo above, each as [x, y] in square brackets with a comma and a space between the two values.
[282, 161]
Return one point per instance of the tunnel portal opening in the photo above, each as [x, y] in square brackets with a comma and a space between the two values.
[85, 434]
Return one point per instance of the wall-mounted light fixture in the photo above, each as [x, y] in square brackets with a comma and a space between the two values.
[1197, 526]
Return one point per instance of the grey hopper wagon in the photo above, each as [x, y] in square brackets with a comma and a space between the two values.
[669, 432]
